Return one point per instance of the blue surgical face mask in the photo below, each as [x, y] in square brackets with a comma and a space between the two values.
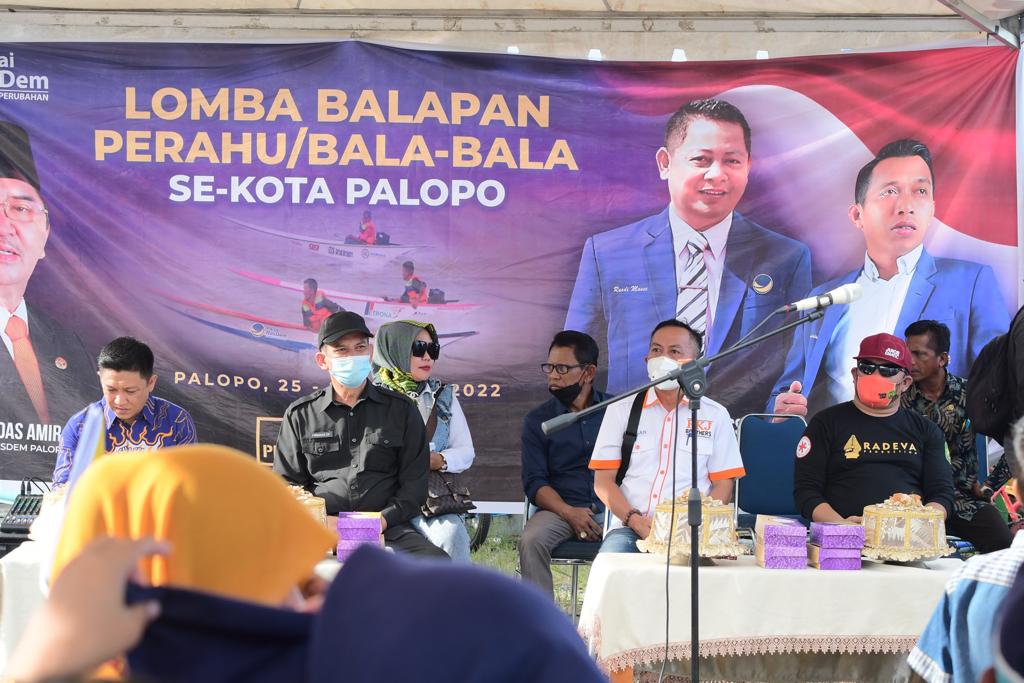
[351, 371]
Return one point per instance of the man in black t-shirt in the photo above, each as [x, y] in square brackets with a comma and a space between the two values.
[859, 453]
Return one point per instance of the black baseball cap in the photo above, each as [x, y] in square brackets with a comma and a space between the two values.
[16, 155]
[338, 325]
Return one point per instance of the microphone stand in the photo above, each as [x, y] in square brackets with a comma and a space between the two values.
[693, 381]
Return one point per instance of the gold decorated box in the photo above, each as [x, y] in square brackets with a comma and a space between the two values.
[904, 530]
[717, 531]
[314, 504]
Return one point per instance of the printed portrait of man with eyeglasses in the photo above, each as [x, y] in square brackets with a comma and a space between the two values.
[45, 370]
[860, 452]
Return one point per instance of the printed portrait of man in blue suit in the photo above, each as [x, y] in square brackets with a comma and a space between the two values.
[699, 261]
[894, 204]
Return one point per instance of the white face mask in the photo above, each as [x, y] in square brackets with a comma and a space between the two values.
[659, 367]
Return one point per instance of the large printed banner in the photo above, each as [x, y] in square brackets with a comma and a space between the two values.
[192, 189]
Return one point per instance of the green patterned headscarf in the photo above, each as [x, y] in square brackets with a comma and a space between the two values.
[392, 350]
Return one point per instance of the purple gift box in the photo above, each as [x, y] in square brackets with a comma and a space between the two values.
[356, 529]
[351, 545]
[781, 556]
[833, 558]
[361, 534]
[343, 555]
[837, 535]
[774, 531]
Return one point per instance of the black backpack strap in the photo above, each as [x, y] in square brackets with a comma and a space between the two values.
[629, 436]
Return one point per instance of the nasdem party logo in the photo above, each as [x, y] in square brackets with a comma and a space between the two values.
[15, 84]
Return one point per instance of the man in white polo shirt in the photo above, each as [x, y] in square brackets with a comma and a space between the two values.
[664, 421]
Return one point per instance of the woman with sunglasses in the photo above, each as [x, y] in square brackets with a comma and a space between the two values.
[403, 360]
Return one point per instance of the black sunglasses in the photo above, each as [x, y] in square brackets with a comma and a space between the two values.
[421, 348]
[866, 367]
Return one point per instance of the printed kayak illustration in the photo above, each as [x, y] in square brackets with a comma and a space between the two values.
[355, 252]
[375, 307]
[281, 334]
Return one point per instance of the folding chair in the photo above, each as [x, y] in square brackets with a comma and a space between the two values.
[571, 553]
[768, 450]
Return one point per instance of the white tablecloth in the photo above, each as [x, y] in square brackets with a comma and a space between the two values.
[747, 610]
[20, 594]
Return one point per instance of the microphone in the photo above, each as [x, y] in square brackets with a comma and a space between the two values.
[839, 295]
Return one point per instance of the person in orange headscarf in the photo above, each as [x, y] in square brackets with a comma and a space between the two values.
[231, 543]
[216, 506]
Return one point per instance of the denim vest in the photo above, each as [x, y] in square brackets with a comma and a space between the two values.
[443, 401]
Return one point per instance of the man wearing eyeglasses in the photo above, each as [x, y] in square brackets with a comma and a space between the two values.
[45, 372]
[860, 452]
[556, 478]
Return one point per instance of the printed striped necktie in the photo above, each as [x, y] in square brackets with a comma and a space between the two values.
[692, 302]
[27, 365]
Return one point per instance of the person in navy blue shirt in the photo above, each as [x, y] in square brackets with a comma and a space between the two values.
[135, 420]
[556, 478]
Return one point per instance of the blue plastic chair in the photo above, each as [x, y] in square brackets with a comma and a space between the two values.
[768, 450]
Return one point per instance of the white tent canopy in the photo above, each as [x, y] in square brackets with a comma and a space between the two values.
[619, 29]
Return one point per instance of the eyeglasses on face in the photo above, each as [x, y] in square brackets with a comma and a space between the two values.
[23, 210]
[421, 348]
[866, 367]
[560, 368]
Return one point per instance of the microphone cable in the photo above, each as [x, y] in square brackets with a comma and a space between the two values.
[755, 328]
[673, 444]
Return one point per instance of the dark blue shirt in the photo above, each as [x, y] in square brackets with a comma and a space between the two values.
[160, 424]
[561, 460]
[378, 623]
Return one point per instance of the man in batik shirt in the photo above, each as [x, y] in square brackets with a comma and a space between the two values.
[942, 398]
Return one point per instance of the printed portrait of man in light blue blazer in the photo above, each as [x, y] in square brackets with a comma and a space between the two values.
[699, 261]
[894, 204]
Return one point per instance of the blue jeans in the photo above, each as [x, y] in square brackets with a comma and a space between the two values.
[447, 532]
[621, 540]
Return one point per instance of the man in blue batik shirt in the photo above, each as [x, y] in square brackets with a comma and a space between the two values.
[556, 478]
[135, 420]
[957, 642]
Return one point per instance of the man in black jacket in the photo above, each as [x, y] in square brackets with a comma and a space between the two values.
[360, 447]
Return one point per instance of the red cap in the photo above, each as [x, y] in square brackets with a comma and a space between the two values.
[885, 347]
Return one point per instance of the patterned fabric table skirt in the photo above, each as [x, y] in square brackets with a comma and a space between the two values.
[750, 612]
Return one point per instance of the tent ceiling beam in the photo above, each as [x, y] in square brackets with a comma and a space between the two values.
[1006, 30]
[505, 22]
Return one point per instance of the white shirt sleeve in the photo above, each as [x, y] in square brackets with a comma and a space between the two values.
[460, 453]
[725, 461]
[608, 446]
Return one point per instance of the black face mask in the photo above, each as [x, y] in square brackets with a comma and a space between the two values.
[567, 394]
